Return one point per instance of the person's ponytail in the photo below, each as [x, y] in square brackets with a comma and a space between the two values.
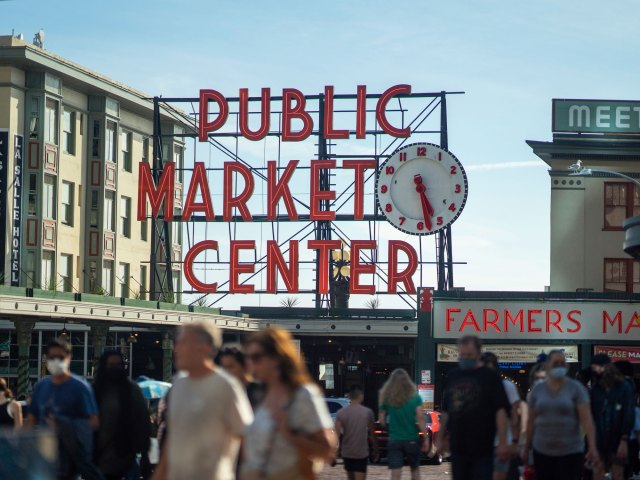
[5, 389]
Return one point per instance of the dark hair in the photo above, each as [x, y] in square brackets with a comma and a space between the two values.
[555, 351]
[355, 390]
[490, 360]
[601, 359]
[611, 375]
[278, 343]
[471, 340]
[61, 344]
[625, 367]
[5, 389]
[232, 350]
[538, 367]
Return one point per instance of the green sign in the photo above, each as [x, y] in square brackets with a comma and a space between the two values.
[596, 116]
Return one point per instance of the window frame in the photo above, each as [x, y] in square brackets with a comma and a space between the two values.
[629, 266]
[109, 216]
[631, 190]
[125, 216]
[52, 115]
[126, 140]
[66, 281]
[45, 197]
[69, 136]
[67, 208]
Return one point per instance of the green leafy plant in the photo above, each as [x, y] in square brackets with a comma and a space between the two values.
[289, 302]
[373, 303]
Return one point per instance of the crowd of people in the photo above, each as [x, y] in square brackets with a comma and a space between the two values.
[252, 412]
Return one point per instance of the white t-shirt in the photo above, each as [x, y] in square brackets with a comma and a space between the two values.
[206, 420]
[514, 397]
[266, 449]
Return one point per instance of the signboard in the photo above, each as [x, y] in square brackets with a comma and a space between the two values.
[425, 376]
[531, 320]
[629, 354]
[510, 353]
[4, 167]
[596, 116]
[427, 394]
[16, 223]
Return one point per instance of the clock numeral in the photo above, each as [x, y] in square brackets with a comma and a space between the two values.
[388, 208]
[439, 156]
[390, 170]
[454, 170]
[403, 157]
[385, 189]
[422, 151]
[420, 226]
[439, 221]
[452, 207]
[402, 220]
[457, 188]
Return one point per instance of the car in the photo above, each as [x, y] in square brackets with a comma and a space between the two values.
[432, 419]
[335, 404]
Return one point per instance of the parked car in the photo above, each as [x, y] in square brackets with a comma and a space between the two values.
[432, 420]
[334, 404]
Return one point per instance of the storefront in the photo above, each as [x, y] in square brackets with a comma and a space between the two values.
[519, 326]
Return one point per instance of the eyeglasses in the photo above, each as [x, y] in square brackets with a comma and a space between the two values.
[256, 357]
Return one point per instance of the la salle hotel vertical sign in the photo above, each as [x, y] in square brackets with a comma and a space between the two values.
[402, 260]
[15, 221]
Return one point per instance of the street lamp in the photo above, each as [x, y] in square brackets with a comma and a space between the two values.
[631, 225]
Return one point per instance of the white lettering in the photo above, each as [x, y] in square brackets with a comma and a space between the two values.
[578, 110]
[602, 116]
[623, 116]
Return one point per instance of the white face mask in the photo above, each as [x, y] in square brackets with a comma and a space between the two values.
[57, 366]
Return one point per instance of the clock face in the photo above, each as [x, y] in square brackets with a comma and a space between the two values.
[421, 189]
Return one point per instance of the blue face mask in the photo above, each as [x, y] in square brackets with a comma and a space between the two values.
[558, 372]
[467, 363]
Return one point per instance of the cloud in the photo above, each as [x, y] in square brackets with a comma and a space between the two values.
[503, 165]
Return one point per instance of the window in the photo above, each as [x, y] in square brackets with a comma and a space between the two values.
[145, 149]
[123, 278]
[48, 273]
[109, 211]
[65, 271]
[30, 269]
[51, 127]
[69, 132]
[107, 276]
[111, 140]
[178, 153]
[144, 230]
[33, 194]
[621, 201]
[95, 141]
[326, 375]
[143, 282]
[35, 116]
[176, 228]
[621, 275]
[125, 216]
[49, 197]
[67, 203]
[93, 214]
[125, 140]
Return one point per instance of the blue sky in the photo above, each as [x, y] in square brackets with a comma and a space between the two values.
[511, 59]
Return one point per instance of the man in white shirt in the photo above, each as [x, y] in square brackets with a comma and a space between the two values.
[208, 411]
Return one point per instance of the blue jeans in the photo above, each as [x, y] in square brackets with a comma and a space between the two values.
[398, 450]
[471, 467]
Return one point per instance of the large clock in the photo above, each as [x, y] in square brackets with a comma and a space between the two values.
[421, 188]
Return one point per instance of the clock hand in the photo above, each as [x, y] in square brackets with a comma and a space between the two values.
[427, 209]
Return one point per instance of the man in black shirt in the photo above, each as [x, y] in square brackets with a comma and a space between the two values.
[474, 407]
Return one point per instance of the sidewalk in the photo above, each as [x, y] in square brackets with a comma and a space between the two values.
[381, 472]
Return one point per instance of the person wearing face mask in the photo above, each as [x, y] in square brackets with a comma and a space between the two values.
[559, 417]
[65, 403]
[613, 411]
[125, 429]
[474, 409]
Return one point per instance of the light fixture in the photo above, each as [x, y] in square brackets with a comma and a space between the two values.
[132, 337]
[64, 334]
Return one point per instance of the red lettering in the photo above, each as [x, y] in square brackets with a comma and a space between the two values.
[265, 114]
[406, 275]
[361, 112]
[575, 321]
[275, 261]
[607, 320]
[329, 132]
[358, 199]
[531, 320]
[633, 323]
[490, 322]
[358, 268]
[382, 107]
[289, 113]
[240, 201]
[204, 125]
[449, 318]
[510, 320]
[198, 179]
[323, 247]
[469, 320]
[164, 191]
[318, 195]
[236, 268]
[188, 266]
[277, 189]
[556, 323]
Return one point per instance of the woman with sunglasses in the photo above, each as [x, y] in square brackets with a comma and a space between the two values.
[292, 429]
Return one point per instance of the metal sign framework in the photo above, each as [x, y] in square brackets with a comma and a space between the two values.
[161, 262]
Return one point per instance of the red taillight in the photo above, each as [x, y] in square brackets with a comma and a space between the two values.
[377, 432]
